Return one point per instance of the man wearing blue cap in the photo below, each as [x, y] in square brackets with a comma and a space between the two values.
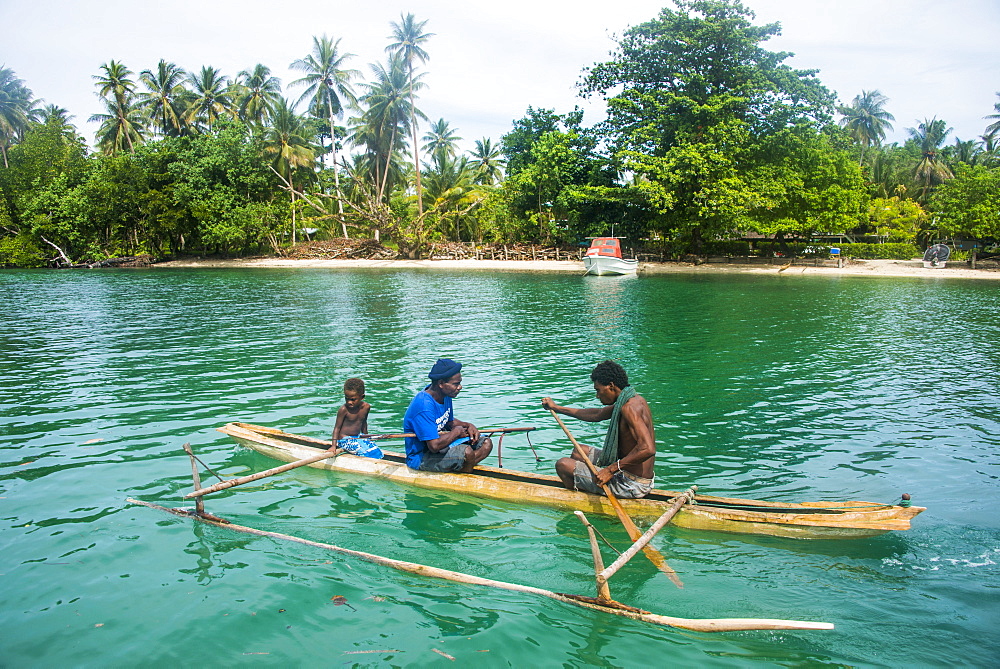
[442, 442]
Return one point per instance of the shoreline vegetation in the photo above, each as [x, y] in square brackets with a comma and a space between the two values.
[542, 259]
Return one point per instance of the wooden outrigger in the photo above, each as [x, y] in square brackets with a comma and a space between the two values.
[602, 602]
[807, 520]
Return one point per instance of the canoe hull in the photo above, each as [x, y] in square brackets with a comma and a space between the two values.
[808, 521]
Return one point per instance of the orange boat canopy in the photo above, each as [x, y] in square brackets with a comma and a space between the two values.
[607, 247]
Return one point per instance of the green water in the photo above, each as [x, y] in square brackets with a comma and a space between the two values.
[778, 387]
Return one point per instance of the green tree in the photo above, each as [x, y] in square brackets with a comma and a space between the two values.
[866, 119]
[930, 169]
[287, 140]
[328, 86]
[967, 152]
[441, 138]
[686, 94]
[487, 162]
[805, 185]
[58, 115]
[383, 125]
[410, 37]
[228, 190]
[122, 123]
[212, 98]
[121, 128]
[969, 204]
[163, 99]
[897, 219]
[17, 109]
[452, 194]
[993, 128]
[257, 92]
[558, 183]
[47, 161]
[517, 145]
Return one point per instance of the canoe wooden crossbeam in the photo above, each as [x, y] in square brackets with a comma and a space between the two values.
[805, 520]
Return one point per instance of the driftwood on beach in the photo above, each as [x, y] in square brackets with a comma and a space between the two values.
[125, 261]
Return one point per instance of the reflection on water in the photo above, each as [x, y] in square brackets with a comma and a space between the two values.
[786, 388]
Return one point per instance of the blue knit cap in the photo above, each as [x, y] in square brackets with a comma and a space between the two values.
[444, 368]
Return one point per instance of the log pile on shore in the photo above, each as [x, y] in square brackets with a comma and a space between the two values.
[534, 252]
[363, 249]
[369, 249]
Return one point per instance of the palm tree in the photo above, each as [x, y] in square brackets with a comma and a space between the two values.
[56, 115]
[212, 97]
[963, 152]
[441, 138]
[115, 81]
[328, 84]
[409, 37]
[162, 100]
[118, 92]
[386, 118]
[258, 92]
[287, 140]
[866, 119]
[451, 189]
[991, 150]
[886, 175]
[17, 110]
[993, 128]
[486, 162]
[930, 169]
[121, 127]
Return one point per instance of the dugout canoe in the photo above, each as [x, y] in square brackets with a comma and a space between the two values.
[806, 520]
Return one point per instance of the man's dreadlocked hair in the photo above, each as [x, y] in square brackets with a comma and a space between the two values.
[609, 372]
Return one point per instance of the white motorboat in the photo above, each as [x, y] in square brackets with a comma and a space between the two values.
[604, 257]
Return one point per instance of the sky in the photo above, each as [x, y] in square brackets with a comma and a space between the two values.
[489, 61]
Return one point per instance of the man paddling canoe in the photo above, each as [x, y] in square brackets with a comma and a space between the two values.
[625, 464]
[442, 442]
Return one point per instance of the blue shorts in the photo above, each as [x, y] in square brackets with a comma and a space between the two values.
[362, 447]
[451, 459]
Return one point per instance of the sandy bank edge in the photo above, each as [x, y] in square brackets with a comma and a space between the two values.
[896, 268]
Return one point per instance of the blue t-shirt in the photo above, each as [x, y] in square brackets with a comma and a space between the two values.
[425, 418]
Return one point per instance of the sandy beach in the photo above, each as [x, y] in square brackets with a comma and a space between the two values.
[874, 268]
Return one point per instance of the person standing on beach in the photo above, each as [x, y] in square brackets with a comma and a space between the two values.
[625, 464]
[442, 442]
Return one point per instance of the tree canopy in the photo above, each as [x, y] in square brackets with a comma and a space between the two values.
[709, 136]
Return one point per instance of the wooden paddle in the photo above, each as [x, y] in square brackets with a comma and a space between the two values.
[633, 532]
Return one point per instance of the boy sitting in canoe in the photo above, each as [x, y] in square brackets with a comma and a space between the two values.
[442, 442]
[352, 421]
[625, 464]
